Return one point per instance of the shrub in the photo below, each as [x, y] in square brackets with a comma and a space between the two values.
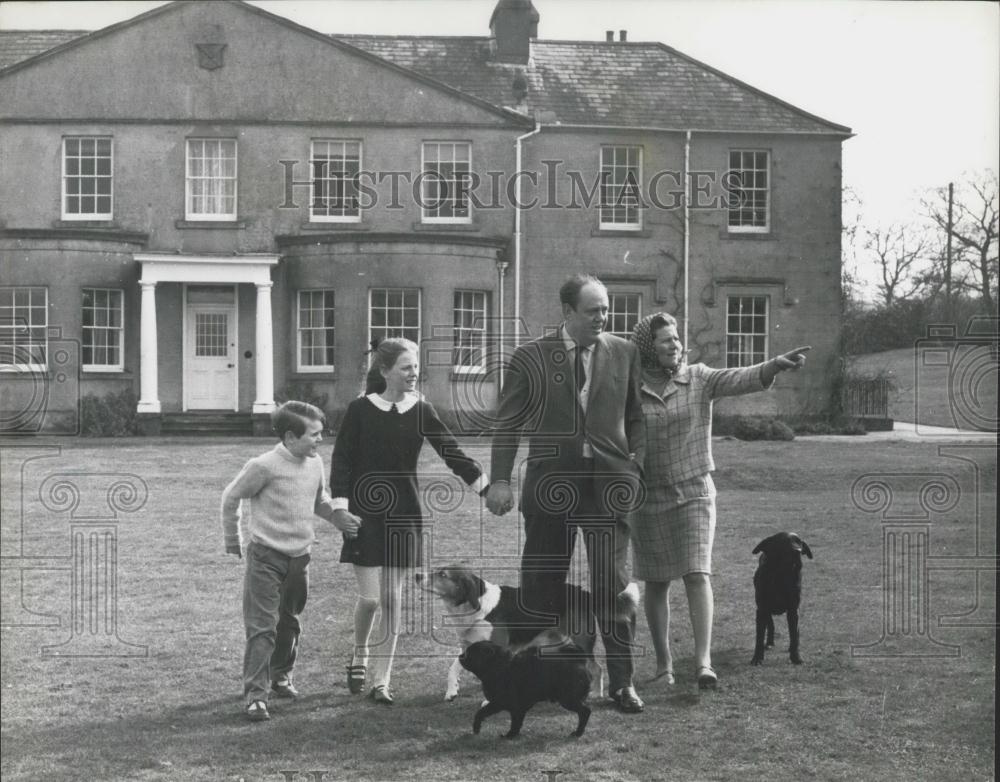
[111, 415]
[839, 424]
[748, 427]
[304, 392]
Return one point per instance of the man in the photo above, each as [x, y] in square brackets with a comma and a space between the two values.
[575, 397]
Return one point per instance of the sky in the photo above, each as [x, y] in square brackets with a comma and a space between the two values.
[917, 82]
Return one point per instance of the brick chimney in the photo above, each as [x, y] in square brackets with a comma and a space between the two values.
[513, 24]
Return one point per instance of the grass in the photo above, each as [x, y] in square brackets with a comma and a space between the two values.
[954, 388]
[176, 714]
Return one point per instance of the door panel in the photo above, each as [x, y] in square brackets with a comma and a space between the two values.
[211, 358]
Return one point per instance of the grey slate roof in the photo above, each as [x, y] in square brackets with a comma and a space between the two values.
[637, 85]
[647, 85]
[18, 45]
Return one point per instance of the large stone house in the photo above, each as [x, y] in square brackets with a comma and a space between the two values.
[215, 206]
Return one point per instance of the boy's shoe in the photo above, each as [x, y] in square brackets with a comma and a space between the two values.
[257, 711]
[380, 694]
[284, 688]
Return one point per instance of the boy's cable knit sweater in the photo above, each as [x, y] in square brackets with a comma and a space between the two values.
[285, 494]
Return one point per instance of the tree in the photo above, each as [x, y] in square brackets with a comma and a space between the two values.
[899, 253]
[974, 232]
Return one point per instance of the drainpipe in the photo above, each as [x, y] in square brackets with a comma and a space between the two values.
[501, 274]
[517, 233]
[687, 231]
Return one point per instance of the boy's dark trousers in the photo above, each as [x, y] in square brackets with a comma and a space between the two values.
[275, 588]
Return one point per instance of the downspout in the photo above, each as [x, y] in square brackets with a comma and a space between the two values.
[517, 232]
[501, 274]
[687, 231]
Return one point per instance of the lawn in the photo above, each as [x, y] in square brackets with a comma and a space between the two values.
[176, 713]
[936, 386]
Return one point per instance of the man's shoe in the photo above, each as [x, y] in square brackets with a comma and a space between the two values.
[356, 678]
[257, 711]
[284, 688]
[627, 700]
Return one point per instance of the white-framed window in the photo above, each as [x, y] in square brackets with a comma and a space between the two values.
[335, 164]
[103, 329]
[746, 330]
[394, 312]
[624, 311]
[444, 191]
[315, 331]
[24, 327]
[469, 335]
[749, 191]
[621, 188]
[87, 178]
[210, 192]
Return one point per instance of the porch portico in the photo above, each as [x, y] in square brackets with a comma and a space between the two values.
[218, 339]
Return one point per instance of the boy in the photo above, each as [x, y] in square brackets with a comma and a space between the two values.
[286, 488]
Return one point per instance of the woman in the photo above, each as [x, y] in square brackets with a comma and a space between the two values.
[673, 531]
[373, 480]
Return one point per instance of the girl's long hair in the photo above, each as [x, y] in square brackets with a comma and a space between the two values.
[385, 353]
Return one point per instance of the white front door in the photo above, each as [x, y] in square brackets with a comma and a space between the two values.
[210, 366]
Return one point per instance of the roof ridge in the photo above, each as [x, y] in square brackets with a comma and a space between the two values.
[412, 37]
[51, 30]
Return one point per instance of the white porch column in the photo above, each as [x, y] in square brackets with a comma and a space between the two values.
[149, 394]
[264, 399]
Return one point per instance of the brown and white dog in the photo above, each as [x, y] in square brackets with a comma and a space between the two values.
[482, 611]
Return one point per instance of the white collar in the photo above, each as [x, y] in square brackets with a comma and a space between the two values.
[408, 401]
[570, 343]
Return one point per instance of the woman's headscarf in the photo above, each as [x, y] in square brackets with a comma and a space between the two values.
[643, 335]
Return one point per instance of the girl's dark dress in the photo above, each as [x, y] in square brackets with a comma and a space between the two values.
[374, 465]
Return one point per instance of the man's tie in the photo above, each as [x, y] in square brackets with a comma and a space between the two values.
[581, 375]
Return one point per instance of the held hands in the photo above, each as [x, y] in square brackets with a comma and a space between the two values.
[793, 359]
[346, 522]
[499, 498]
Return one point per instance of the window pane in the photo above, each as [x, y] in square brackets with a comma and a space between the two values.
[211, 178]
[87, 168]
[746, 330]
[620, 178]
[23, 325]
[316, 328]
[395, 312]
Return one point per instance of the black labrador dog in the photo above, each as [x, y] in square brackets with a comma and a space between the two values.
[554, 671]
[777, 586]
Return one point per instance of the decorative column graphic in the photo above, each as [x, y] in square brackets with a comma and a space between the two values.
[905, 502]
[93, 501]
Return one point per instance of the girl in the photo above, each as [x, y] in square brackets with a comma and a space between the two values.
[373, 480]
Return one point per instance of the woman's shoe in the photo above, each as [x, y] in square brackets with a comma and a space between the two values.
[707, 678]
[380, 694]
[667, 676]
[356, 678]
